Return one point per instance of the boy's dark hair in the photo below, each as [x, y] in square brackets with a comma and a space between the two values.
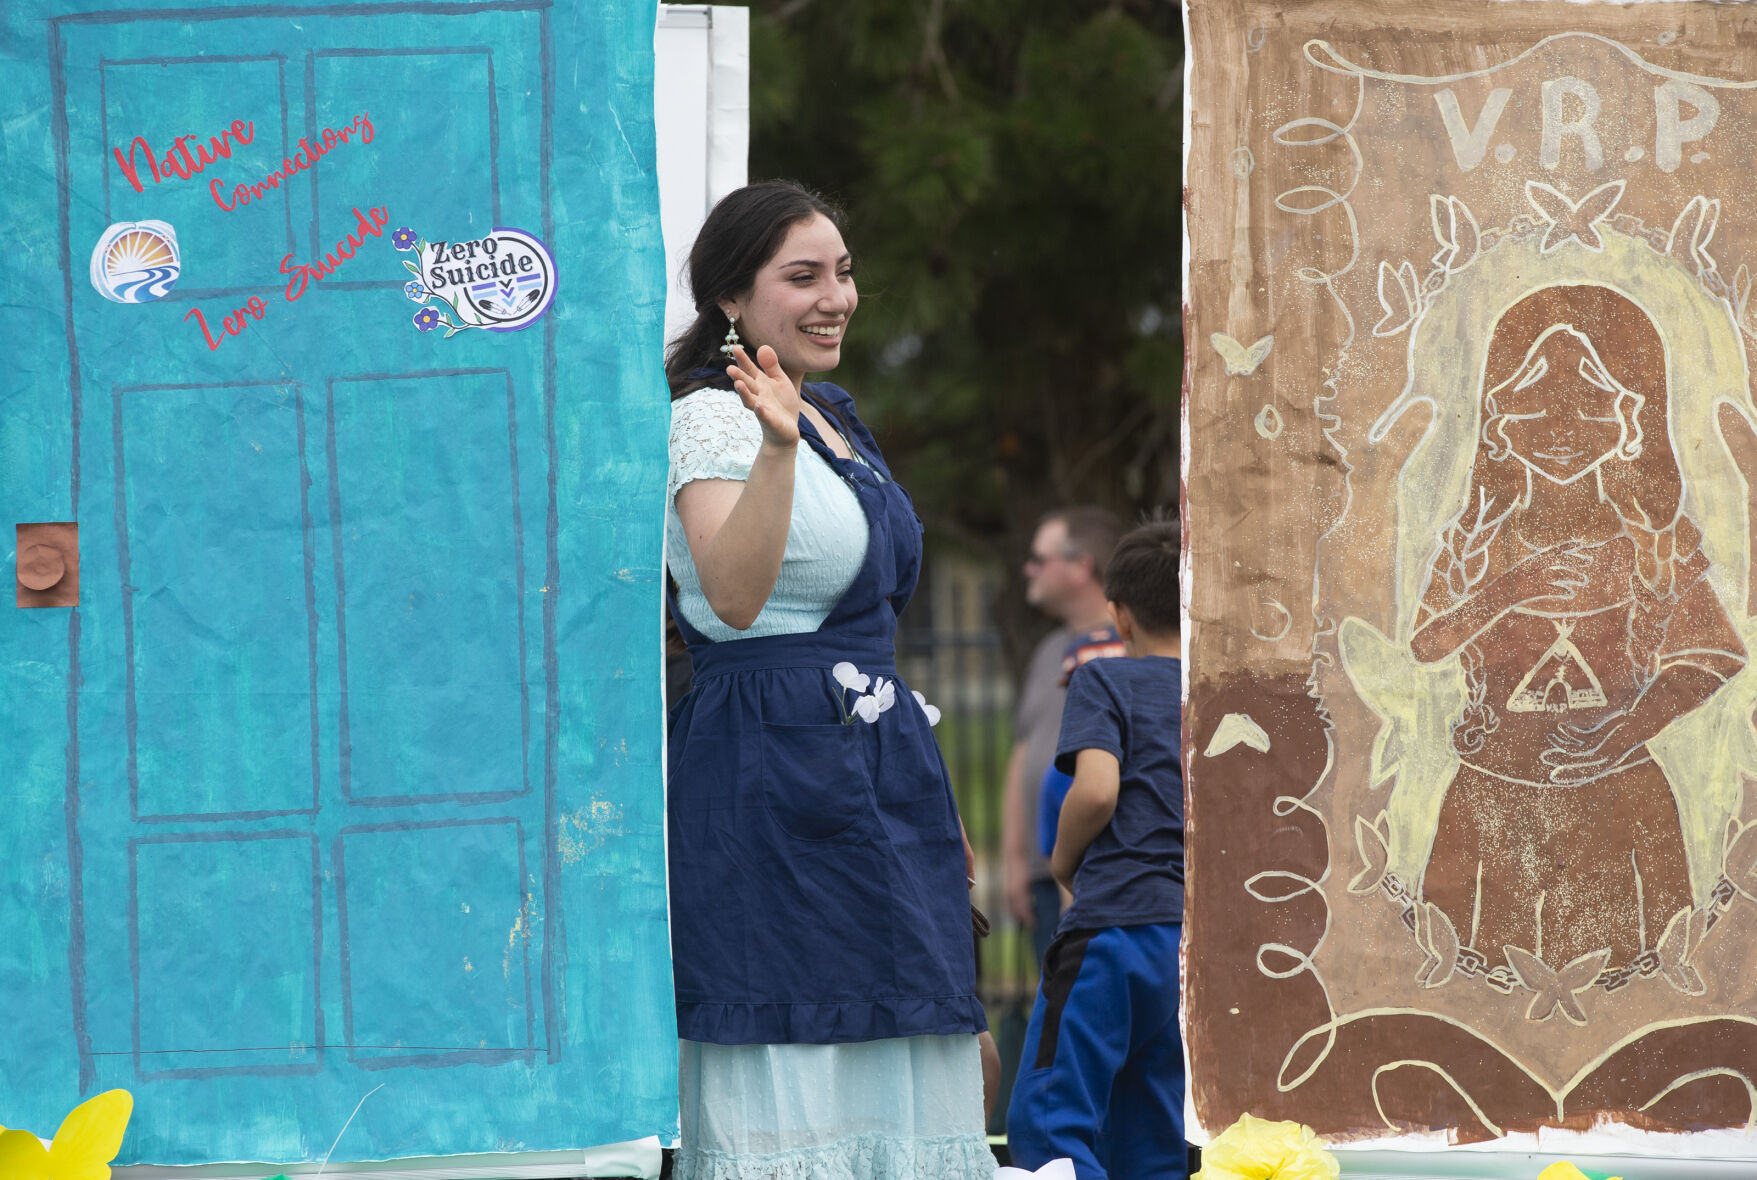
[1143, 574]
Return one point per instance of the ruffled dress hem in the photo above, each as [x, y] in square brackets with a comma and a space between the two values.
[858, 1157]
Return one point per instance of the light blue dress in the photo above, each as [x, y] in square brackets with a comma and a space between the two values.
[872, 1110]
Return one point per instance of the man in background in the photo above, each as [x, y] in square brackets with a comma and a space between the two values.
[1064, 578]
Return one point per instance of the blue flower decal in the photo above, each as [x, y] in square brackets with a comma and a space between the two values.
[426, 319]
[416, 291]
[403, 238]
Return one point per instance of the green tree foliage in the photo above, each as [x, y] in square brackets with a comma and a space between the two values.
[1011, 171]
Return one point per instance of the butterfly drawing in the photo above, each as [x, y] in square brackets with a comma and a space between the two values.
[1374, 841]
[1678, 945]
[1241, 361]
[1741, 857]
[1691, 233]
[1455, 229]
[1400, 296]
[1556, 989]
[1436, 935]
[82, 1149]
[1574, 220]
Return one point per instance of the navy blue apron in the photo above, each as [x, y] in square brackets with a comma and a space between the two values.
[817, 867]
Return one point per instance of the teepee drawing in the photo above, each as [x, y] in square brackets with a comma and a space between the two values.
[1558, 693]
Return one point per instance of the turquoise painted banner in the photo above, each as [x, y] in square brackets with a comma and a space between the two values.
[336, 329]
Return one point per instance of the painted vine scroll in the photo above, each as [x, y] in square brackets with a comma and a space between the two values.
[1472, 446]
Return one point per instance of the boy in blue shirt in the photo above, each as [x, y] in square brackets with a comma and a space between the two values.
[1101, 1079]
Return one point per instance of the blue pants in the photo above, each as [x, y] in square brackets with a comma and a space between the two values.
[1101, 1079]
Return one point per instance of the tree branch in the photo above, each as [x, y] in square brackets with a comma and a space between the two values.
[933, 52]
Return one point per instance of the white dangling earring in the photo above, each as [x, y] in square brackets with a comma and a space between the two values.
[732, 340]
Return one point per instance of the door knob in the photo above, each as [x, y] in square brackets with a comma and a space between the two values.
[48, 563]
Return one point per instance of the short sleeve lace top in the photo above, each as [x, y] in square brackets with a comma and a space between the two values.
[713, 436]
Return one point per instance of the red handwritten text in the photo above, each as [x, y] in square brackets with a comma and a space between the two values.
[363, 229]
[177, 161]
[307, 156]
[366, 225]
[232, 325]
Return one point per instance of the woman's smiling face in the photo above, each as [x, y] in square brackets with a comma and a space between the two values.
[1558, 414]
[801, 300]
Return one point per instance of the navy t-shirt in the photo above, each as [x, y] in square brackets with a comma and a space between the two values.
[1133, 874]
[1097, 644]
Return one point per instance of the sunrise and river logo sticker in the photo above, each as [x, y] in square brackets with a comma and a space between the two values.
[502, 282]
[136, 261]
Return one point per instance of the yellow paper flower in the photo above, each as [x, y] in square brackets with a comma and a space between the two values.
[1563, 1170]
[1257, 1149]
[88, 1140]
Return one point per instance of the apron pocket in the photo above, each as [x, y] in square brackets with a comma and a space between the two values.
[815, 780]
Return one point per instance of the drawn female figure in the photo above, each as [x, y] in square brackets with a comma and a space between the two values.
[1572, 586]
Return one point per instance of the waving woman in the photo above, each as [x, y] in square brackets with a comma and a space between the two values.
[820, 921]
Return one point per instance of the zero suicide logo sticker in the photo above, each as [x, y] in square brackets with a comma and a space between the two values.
[501, 282]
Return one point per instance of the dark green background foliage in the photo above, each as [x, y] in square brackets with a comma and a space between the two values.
[1011, 174]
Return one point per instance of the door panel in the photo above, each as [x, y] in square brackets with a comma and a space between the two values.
[429, 555]
[223, 722]
[449, 968]
[254, 1007]
[149, 101]
[440, 161]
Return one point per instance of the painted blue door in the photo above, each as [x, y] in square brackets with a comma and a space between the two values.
[317, 838]
[312, 717]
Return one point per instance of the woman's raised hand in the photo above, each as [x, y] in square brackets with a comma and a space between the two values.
[768, 393]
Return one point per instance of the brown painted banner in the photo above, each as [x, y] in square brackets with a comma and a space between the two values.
[1472, 448]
